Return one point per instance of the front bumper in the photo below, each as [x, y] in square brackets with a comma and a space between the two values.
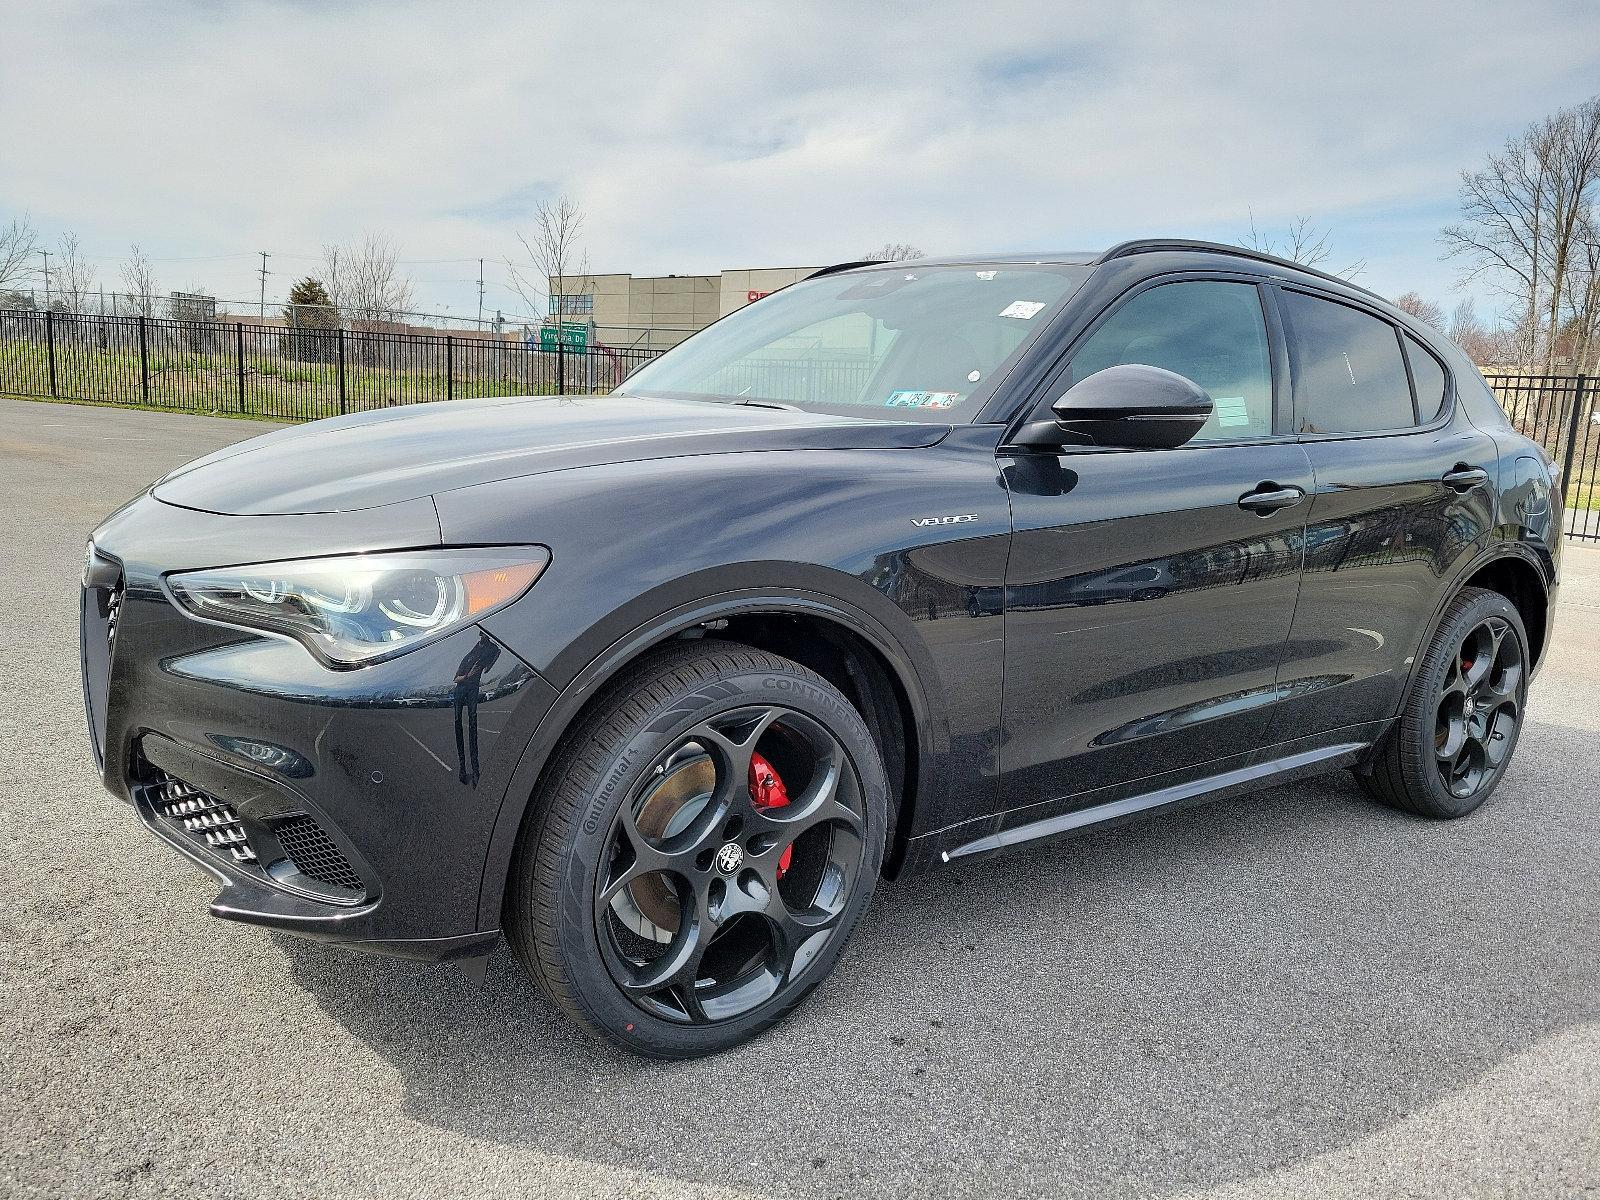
[353, 806]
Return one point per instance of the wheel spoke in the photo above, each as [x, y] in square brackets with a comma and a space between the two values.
[733, 752]
[1478, 649]
[675, 967]
[1455, 737]
[793, 933]
[1498, 731]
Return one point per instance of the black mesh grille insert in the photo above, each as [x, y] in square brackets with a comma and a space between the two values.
[202, 816]
[314, 855]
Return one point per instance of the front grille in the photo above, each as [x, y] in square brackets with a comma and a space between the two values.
[201, 815]
[314, 855]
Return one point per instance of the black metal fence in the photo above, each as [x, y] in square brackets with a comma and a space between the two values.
[1559, 412]
[288, 374]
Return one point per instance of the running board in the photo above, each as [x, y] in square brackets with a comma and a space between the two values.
[1251, 778]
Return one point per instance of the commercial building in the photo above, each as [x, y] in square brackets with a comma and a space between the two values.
[660, 310]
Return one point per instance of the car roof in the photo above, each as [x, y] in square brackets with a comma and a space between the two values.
[1089, 258]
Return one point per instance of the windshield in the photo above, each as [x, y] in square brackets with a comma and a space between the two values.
[909, 342]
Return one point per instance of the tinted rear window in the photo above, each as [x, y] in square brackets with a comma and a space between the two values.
[1428, 376]
[1350, 377]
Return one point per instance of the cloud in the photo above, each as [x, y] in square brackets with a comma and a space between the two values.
[752, 134]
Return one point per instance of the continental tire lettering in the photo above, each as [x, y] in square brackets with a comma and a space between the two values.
[608, 786]
[810, 691]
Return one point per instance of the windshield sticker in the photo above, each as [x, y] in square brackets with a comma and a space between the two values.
[987, 274]
[1230, 410]
[917, 399]
[1023, 310]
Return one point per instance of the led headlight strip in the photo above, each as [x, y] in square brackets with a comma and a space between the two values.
[362, 608]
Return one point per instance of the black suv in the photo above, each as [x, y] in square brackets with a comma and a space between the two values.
[900, 566]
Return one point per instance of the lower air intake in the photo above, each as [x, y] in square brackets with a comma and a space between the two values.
[202, 816]
[314, 855]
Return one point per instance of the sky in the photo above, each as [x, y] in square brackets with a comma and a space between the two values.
[699, 137]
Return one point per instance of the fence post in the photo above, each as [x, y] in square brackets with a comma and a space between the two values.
[50, 346]
[561, 363]
[341, 370]
[144, 363]
[1572, 437]
[238, 338]
[449, 367]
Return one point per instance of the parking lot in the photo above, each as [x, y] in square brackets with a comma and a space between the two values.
[1295, 993]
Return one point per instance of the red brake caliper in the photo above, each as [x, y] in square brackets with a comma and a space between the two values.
[767, 791]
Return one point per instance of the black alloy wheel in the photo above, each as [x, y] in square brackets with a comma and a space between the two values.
[1463, 715]
[700, 850]
[1480, 706]
[731, 866]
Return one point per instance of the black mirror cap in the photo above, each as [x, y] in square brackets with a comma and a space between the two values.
[1133, 406]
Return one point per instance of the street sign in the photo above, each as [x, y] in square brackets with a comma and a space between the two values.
[571, 336]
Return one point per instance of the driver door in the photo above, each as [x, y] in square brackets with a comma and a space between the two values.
[1148, 599]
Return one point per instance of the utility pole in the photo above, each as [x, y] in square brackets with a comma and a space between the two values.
[480, 295]
[264, 274]
[46, 254]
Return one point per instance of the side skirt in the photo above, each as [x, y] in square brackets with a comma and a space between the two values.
[1255, 777]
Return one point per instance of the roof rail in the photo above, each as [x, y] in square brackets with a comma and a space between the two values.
[1150, 245]
[847, 266]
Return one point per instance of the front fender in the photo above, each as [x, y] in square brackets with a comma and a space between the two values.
[643, 552]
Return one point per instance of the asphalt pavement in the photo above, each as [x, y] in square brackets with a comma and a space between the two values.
[1294, 993]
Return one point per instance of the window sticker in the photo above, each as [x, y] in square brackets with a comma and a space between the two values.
[987, 274]
[1230, 410]
[909, 398]
[1023, 310]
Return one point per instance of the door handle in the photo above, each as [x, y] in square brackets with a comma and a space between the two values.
[1465, 478]
[1269, 497]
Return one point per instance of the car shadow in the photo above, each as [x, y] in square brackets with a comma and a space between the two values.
[1183, 1003]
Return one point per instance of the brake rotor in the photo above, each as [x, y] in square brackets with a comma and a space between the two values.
[648, 905]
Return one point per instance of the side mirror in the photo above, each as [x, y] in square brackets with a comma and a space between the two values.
[1136, 407]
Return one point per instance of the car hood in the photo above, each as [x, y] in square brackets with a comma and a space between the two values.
[370, 459]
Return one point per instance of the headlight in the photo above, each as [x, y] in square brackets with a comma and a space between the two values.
[362, 608]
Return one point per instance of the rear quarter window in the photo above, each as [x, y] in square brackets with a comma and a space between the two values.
[1428, 377]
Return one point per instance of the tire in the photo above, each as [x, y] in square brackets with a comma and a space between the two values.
[651, 895]
[1459, 711]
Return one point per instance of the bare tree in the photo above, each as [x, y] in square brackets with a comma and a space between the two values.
[894, 252]
[139, 281]
[1302, 243]
[1522, 215]
[19, 244]
[365, 281]
[1484, 345]
[72, 277]
[1425, 311]
[556, 262]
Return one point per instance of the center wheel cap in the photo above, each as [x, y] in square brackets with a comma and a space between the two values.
[729, 858]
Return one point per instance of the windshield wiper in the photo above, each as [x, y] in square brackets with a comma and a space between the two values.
[769, 404]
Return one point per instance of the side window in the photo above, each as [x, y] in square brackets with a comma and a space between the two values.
[1208, 331]
[1350, 376]
[1428, 376]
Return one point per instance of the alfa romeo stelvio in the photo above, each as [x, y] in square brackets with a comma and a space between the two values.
[897, 568]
